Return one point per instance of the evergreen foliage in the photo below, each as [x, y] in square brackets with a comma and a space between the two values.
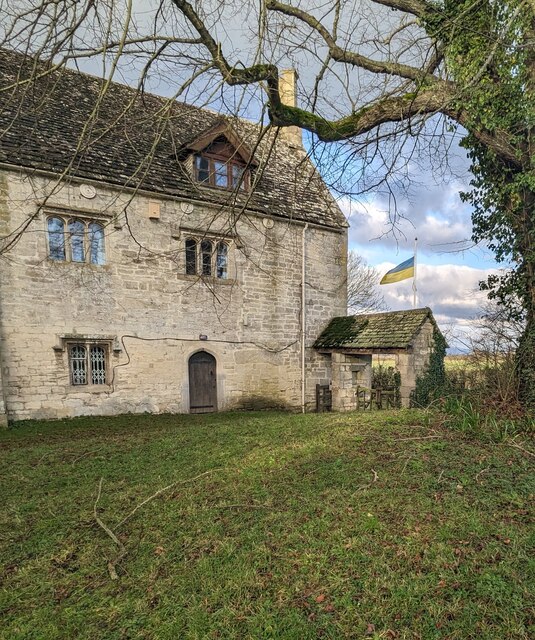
[387, 377]
[432, 384]
[491, 56]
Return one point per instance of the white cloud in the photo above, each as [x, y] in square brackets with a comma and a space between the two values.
[437, 217]
[450, 290]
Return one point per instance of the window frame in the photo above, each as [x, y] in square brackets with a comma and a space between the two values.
[230, 163]
[200, 265]
[88, 346]
[88, 238]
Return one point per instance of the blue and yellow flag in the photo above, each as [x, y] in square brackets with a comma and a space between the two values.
[401, 272]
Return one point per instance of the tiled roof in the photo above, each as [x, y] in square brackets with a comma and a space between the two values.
[390, 330]
[60, 122]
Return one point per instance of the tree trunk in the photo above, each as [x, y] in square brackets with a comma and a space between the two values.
[526, 364]
[526, 347]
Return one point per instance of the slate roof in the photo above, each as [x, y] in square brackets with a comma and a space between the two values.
[141, 140]
[390, 330]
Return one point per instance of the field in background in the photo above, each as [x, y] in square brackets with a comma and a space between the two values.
[452, 363]
[381, 525]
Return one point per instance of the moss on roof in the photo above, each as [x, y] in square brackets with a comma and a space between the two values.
[67, 121]
[390, 330]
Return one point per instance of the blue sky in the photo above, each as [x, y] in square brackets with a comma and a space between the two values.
[449, 266]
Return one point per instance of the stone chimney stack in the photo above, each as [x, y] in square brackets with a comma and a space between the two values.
[288, 94]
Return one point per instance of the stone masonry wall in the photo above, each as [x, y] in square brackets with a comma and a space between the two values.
[151, 312]
[348, 372]
[414, 363]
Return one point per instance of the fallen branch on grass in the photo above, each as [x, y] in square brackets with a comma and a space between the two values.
[111, 534]
[122, 550]
[417, 438]
[241, 506]
[159, 493]
[87, 453]
[367, 486]
[517, 446]
[405, 465]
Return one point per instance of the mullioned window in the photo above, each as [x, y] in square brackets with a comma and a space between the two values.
[75, 240]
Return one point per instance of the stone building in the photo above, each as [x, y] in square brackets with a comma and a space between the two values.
[351, 342]
[156, 257]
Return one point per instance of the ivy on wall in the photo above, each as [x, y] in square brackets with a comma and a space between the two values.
[432, 383]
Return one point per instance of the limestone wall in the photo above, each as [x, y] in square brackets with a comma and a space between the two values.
[415, 362]
[348, 372]
[151, 312]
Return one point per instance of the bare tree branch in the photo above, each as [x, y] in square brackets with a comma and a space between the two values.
[338, 54]
[437, 96]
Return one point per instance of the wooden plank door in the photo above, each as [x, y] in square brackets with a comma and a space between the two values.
[202, 383]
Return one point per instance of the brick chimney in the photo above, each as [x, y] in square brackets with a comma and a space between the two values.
[288, 94]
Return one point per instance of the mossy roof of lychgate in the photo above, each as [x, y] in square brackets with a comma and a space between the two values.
[389, 330]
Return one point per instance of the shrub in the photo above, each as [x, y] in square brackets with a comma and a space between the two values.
[387, 377]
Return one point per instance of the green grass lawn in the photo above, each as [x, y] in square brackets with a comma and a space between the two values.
[317, 526]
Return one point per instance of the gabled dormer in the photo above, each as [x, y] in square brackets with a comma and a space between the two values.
[221, 159]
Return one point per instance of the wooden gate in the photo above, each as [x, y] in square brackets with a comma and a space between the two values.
[324, 398]
[202, 383]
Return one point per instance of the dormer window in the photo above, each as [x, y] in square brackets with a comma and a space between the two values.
[220, 172]
[221, 162]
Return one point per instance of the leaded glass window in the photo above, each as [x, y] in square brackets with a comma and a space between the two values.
[191, 257]
[237, 176]
[98, 365]
[206, 257]
[96, 243]
[78, 364]
[83, 241]
[220, 174]
[88, 364]
[77, 233]
[222, 260]
[56, 238]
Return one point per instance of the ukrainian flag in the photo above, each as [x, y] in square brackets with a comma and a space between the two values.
[401, 272]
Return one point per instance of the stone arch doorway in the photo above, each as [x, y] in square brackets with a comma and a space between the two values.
[202, 369]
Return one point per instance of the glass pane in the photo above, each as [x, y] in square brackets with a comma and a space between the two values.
[203, 169]
[56, 239]
[222, 260]
[77, 230]
[96, 243]
[237, 173]
[78, 364]
[220, 174]
[191, 257]
[206, 257]
[98, 365]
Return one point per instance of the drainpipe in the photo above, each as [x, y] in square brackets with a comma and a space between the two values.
[303, 317]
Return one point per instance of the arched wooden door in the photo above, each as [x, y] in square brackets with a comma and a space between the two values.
[202, 383]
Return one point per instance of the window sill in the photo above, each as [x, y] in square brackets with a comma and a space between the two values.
[89, 388]
[211, 280]
[66, 263]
